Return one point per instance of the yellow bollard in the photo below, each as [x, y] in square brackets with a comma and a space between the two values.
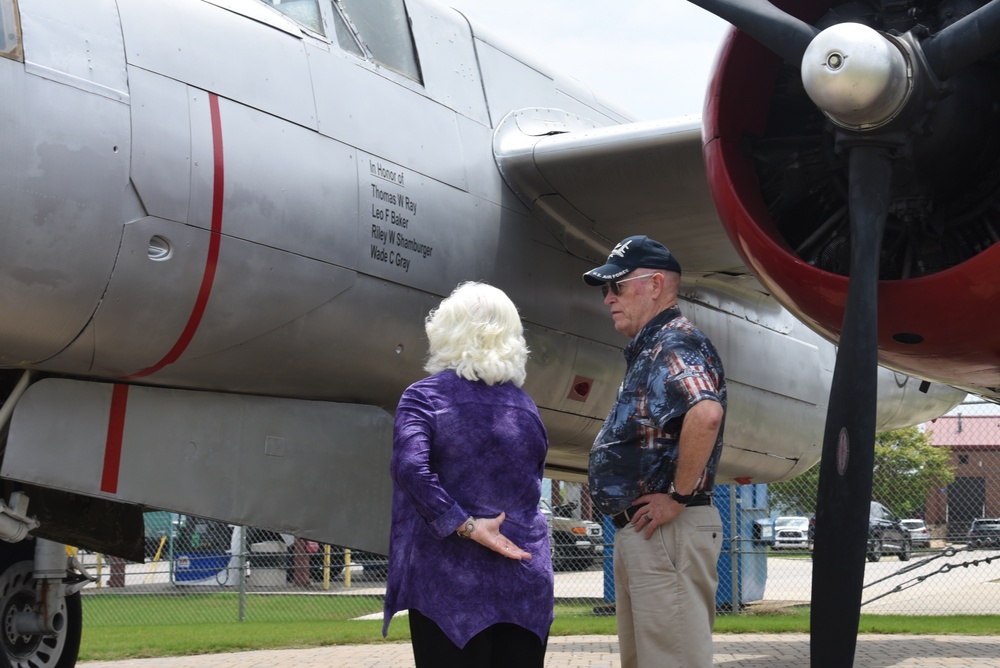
[156, 558]
[326, 566]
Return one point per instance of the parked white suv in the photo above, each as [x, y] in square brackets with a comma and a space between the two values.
[576, 544]
[791, 533]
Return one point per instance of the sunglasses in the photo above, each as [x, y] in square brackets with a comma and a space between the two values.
[615, 286]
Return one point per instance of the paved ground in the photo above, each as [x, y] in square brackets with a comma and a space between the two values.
[731, 651]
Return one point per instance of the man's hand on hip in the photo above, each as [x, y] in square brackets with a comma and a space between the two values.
[655, 510]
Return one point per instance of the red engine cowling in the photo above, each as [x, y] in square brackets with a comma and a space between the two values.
[779, 186]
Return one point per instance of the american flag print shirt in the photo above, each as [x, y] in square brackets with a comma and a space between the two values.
[671, 366]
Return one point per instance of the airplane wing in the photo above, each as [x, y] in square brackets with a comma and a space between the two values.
[593, 186]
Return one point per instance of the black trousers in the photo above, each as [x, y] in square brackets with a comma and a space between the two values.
[501, 645]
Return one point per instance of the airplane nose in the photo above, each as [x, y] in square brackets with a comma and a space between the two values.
[63, 185]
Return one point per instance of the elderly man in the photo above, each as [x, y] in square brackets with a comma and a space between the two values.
[652, 467]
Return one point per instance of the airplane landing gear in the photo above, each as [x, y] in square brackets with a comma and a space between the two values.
[35, 650]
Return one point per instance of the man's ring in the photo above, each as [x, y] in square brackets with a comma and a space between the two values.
[648, 518]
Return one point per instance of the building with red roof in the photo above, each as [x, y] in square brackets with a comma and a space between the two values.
[974, 443]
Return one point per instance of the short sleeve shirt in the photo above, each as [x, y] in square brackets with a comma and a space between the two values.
[671, 366]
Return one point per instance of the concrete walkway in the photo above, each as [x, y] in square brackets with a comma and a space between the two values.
[731, 651]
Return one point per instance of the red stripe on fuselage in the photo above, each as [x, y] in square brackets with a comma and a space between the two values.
[211, 263]
[113, 445]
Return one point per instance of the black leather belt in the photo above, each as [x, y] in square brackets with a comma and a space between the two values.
[700, 500]
[625, 517]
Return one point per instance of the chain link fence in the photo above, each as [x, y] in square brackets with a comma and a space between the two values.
[934, 547]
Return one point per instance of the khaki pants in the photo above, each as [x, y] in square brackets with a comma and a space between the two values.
[665, 591]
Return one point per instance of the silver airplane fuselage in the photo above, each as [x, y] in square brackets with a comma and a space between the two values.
[221, 234]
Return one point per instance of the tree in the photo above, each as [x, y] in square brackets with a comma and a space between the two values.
[798, 495]
[907, 466]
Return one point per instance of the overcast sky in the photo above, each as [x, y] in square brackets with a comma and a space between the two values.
[650, 57]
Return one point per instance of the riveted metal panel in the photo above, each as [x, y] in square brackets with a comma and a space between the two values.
[366, 345]
[149, 303]
[387, 114]
[510, 84]
[571, 437]
[78, 43]
[743, 297]
[447, 59]
[62, 182]
[161, 144]
[239, 459]
[513, 83]
[222, 52]
[749, 352]
[285, 186]
[418, 231]
[904, 400]
[547, 282]
[480, 169]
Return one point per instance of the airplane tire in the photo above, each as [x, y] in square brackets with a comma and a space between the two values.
[874, 551]
[17, 593]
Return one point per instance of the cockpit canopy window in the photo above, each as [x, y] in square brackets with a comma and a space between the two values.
[10, 30]
[304, 12]
[345, 34]
[381, 28]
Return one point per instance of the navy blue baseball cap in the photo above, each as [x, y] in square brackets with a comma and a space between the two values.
[630, 254]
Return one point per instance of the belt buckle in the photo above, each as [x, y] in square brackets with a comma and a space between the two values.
[623, 519]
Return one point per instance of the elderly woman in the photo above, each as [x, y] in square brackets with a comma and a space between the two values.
[468, 454]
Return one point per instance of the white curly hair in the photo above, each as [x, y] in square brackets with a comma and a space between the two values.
[477, 332]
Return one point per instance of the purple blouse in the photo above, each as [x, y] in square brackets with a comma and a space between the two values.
[464, 448]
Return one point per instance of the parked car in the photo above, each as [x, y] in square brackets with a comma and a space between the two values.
[791, 533]
[576, 544]
[763, 531]
[887, 535]
[985, 532]
[919, 534]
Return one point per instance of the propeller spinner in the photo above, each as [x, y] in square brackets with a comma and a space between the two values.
[859, 78]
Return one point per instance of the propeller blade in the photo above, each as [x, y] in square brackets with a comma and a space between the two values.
[845, 480]
[964, 42]
[780, 32]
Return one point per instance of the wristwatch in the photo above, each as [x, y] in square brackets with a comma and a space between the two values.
[467, 528]
[682, 499]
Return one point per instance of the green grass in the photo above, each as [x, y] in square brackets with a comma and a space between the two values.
[122, 627]
[111, 643]
[118, 610]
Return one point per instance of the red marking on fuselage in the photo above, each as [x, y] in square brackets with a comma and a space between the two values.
[113, 445]
[211, 263]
